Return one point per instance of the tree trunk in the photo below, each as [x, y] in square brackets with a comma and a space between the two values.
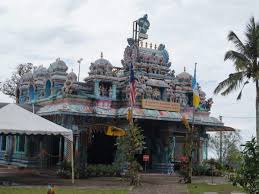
[257, 111]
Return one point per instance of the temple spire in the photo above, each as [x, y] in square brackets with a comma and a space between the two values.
[184, 69]
[101, 55]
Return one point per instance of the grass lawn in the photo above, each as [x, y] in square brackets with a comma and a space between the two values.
[200, 188]
[12, 190]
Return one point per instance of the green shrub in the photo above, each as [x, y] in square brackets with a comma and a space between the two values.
[247, 176]
[102, 170]
[200, 170]
[205, 169]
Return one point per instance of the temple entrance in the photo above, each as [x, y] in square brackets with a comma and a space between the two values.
[102, 149]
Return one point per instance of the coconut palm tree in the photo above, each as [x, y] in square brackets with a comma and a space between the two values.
[246, 64]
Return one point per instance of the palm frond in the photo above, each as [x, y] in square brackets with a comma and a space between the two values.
[240, 60]
[252, 39]
[231, 83]
[240, 93]
[250, 28]
[233, 86]
[238, 43]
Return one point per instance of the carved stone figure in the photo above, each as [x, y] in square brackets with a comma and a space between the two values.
[110, 92]
[148, 92]
[143, 24]
[170, 94]
[68, 87]
[102, 90]
[172, 73]
[209, 103]
[184, 100]
[130, 54]
[206, 105]
[165, 54]
[156, 94]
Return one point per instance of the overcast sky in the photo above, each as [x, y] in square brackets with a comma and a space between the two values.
[193, 31]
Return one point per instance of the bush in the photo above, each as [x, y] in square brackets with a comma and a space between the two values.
[64, 170]
[102, 170]
[206, 169]
[64, 174]
[247, 176]
[200, 170]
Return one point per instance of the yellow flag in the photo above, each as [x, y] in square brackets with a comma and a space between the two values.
[196, 96]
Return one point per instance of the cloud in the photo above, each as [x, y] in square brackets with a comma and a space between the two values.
[3, 10]
[72, 5]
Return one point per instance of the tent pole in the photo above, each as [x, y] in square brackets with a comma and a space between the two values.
[72, 162]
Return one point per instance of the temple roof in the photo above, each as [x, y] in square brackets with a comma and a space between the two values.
[184, 75]
[58, 66]
[101, 67]
[102, 61]
[154, 55]
[40, 71]
[72, 76]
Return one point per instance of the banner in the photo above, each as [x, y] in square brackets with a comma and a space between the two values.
[161, 105]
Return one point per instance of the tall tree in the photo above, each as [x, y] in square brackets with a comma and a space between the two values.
[246, 64]
[9, 86]
[230, 147]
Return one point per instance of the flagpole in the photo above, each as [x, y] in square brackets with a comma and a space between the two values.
[193, 110]
[194, 85]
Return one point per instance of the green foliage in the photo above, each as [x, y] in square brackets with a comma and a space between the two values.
[231, 154]
[103, 170]
[132, 144]
[246, 63]
[244, 58]
[247, 176]
[200, 170]
[120, 157]
[207, 168]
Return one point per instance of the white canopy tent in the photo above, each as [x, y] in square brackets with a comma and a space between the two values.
[16, 120]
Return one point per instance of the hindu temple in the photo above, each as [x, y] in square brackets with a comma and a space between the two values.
[88, 107]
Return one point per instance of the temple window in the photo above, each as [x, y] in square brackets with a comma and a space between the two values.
[105, 89]
[3, 142]
[20, 143]
[47, 89]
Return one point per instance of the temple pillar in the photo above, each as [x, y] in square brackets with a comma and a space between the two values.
[97, 88]
[114, 87]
